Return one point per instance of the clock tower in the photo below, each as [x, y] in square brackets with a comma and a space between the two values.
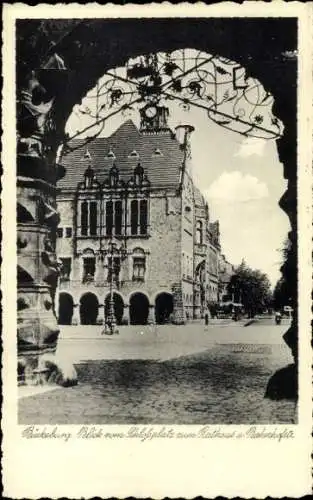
[153, 118]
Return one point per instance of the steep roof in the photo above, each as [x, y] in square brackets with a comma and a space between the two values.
[159, 154]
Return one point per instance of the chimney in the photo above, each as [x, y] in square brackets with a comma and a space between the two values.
[183, 133]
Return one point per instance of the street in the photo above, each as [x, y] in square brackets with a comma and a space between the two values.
[167, 375]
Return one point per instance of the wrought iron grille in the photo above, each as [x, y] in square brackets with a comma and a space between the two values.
[215, 84]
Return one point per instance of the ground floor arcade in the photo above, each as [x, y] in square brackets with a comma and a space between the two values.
[137, 309]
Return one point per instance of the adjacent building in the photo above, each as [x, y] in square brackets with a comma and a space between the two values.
[135, 227]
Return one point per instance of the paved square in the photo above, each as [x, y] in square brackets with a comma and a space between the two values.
[167, 375]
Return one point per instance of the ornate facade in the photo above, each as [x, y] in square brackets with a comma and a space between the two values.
[133, 190]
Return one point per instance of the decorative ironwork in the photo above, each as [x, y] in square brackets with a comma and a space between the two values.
[121, 253]
[215, 84]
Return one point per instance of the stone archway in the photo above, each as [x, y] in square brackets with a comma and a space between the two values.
[85, 48]
[164, 305]
[138, 309]
[66, 307]
[118, 307]
[88, 310]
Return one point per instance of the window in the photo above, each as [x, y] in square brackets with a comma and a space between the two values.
[84, 218]
[143, 216]
[68, 232]
[89, 218]
[93, 217]
[109, 218]
[157, 152]
[139, 217]
[139, 265]
[111, 154]
[60, 232]
[133, 154]
[89, 269]
[114, 217]
[65, 269]
[118, 217]
[134, 217]
[113, 271]
[199, 233]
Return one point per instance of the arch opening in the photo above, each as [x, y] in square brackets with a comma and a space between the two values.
[138, 309]
[217, 38]
[66, 308]
[164, 305]
[89, 308]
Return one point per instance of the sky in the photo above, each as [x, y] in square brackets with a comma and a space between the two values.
[241, 178]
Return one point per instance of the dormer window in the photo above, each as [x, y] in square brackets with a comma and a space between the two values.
[133, 154]
[111, 154]
[157, 152]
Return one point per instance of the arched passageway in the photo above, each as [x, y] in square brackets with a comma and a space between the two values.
[88, 41]
[88, 310]
[163, 307]
[66, 305]
[118, 307]
[138, 309]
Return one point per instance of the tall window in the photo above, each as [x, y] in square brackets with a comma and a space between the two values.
[89, 218]
[114, 217]
[139, 265]
[93, 217]
[109, 218]
[118, 218]
[89, 269]
[139, 217]
[199, 232]
[134, 217]
[84, 218]
[143, 216]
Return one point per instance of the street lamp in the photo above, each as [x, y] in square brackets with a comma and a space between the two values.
[110, 321]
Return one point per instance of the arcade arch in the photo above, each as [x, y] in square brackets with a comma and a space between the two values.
[66, 308]
[89, 308]
[138, 308]
[164, 305]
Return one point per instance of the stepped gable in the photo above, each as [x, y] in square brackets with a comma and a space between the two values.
[159, 154]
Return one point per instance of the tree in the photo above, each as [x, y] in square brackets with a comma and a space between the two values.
[282, 291]
[251, 288]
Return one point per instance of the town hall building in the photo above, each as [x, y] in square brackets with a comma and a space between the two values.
[135, 228]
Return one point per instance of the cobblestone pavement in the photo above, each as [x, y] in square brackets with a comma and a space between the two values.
[167, 375]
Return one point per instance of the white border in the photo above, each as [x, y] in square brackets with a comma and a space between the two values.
[157, 468]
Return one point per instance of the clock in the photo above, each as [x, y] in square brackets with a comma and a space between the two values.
[150, 112]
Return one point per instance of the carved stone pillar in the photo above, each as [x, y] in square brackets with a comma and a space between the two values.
[179, 317]
[76, 315]
[151, 315]
[37, 220]
[126, 317]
